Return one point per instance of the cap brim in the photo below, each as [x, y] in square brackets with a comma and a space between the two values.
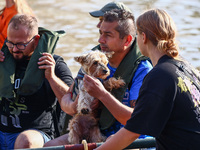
[96, 13]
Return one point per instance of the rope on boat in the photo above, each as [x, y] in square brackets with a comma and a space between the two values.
[139, 143]
[84, 142]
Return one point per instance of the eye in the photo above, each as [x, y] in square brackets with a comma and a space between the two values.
[95, 63]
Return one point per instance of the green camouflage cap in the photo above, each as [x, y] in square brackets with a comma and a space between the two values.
[108, 7]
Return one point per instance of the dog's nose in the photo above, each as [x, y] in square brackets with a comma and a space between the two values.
[84, 111]
[105, 71]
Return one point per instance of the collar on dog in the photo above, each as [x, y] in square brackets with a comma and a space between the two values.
[80, 76]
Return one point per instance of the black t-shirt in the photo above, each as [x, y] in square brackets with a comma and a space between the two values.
[168, 108]
[33, 111]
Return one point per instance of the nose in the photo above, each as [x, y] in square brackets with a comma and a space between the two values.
[85, 111]
[101, 40]
[105, 71]
[15, 48]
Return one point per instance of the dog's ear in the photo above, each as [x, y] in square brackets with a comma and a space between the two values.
[80, 59]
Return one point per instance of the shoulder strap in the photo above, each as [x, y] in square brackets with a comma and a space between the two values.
[125, 71]
[137, 64]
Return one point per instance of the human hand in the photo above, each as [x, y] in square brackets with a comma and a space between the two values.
[47, 62]
[93, 86]
[2, 57]
[95, 104]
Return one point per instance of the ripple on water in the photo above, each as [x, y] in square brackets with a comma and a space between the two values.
[82, 34]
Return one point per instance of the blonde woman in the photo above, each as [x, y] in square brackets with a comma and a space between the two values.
[168, 105]
[12, 8]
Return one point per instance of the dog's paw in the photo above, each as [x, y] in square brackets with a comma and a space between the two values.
[114, 83]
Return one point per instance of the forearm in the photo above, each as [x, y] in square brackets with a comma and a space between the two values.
[67, 104]
[58, 86]
[116, 142]
[95, 88]
[115, 106]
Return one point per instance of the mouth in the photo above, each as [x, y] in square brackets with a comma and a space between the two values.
[17, 53]
[104, 75]
[104, 48]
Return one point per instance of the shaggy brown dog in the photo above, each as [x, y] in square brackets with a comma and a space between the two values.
[84, 125]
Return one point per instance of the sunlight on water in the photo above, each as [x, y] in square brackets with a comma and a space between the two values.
[82, 34]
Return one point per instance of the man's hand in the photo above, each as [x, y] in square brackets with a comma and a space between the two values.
[67, 104]
[95, 104]
[2, 57]
[47, 62]
[93, 86]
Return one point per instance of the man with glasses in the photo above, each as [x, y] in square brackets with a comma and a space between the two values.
[19, 46]
[30, 80]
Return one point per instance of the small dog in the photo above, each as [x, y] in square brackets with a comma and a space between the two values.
[84, 125]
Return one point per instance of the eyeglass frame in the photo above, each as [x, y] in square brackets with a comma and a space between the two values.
[25, 45]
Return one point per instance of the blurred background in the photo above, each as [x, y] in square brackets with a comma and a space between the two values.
[82, 34]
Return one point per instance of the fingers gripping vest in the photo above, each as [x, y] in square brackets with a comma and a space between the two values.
[30, 84]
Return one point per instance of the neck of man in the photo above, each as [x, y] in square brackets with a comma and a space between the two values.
[117, 57]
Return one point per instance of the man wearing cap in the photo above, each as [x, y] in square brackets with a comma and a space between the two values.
[118, 36]
[112, 5]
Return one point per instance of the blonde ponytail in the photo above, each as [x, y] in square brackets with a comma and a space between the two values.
[160, 29]
[169, 47]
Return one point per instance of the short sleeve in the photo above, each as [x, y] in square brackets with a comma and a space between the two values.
[154, 104]
[63, 72]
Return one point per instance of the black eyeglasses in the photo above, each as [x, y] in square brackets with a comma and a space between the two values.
[20, 46]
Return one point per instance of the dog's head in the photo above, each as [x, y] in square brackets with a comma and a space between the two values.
[94, 64]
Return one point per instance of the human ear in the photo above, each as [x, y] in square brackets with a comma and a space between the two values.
[37, 37]
[128, 40]
[144, 38]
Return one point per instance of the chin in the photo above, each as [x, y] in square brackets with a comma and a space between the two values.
[17, 58]
[20, 59]
[105, 50]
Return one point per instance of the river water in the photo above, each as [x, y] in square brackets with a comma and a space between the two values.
[82, 34]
